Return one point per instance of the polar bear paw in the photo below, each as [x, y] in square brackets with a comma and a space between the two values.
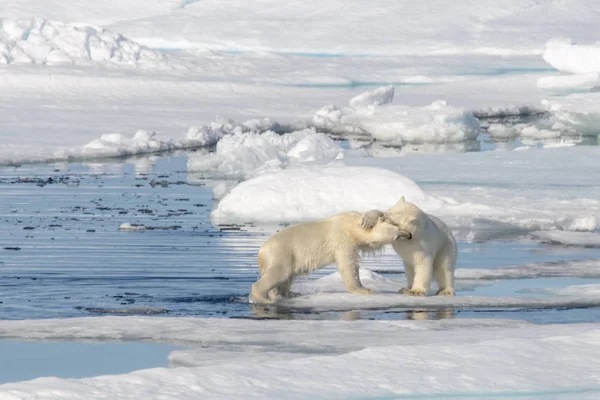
[258, 298]
[362, 290]
[285, 295]
[446, 292]
[413, 292]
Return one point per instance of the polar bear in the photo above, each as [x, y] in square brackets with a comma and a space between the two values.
[306, 247]
[431, 250]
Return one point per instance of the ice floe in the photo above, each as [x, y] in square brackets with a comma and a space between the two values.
[299, 359]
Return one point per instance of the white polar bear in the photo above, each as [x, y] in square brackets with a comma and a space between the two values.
[431, 250]
[303, 248]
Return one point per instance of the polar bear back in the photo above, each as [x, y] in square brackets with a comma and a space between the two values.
[312, 245]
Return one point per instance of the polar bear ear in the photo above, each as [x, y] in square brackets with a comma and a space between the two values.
[398, 206]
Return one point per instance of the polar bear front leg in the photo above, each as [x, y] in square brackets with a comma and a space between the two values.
[284, 290]
[443, 270]
[409, 271]
[423, 267]
[348, 268]
[369, 219]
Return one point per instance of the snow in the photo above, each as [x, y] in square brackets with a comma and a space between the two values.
[39, 41]
[566, 56]
[243, 155]
[328, 357]
[316, 192]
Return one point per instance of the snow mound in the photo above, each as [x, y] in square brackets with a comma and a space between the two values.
[242, 155]
[370, 115]
[375, 97]
[39, 41]
[566, 56]
[310, 193]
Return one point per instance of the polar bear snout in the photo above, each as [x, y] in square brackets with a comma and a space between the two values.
[404, 235]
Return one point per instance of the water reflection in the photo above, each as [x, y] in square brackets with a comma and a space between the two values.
[274, 311]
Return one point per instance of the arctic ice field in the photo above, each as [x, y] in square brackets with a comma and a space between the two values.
[148, 149]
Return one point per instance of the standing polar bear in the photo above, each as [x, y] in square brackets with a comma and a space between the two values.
[431, 250]
[303, 248]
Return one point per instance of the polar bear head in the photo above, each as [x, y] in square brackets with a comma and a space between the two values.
[384, 232]
[408, 217]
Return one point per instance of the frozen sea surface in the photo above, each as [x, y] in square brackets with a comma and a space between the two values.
[65, 253]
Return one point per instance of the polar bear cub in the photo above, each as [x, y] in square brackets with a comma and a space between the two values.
[303, 248]
[431, 252]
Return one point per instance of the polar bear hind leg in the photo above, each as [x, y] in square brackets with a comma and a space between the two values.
[272, 276]
[423, 269]
[443, 270]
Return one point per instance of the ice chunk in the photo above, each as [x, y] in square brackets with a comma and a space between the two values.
[375, 97]
[115, 144]
[436, 123]
[126, 226]
[566, 56]
[501, 131]
[244, 155]
[579, 112]
[370, 115]
[309, 193]
[331, 119]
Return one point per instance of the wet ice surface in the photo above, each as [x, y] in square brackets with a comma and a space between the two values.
[63, 254]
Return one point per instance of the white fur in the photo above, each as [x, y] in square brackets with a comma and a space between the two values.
[306, 247]
[431, 252]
